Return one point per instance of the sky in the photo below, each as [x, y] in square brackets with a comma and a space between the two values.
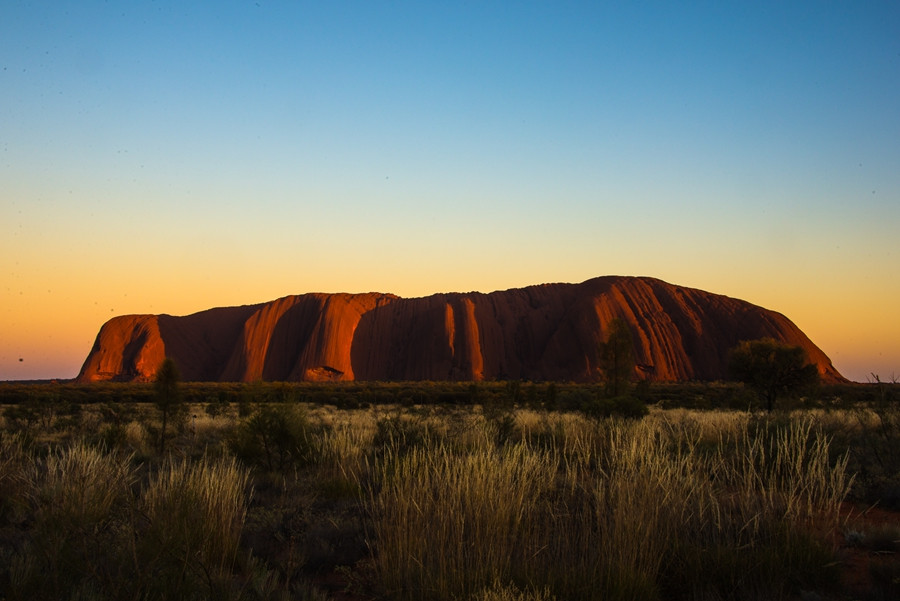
[169, 157]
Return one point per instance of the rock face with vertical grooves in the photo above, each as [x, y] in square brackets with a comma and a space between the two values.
[545, 332]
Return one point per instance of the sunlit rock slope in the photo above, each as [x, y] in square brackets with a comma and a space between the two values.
[545, 332]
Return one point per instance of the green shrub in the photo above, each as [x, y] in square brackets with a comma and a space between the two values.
[622, 406]
[275, 437]
[21, 417]
[575, 399]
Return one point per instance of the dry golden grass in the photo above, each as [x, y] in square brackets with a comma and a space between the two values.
[455, 503]
[195, 511]
[619, 509]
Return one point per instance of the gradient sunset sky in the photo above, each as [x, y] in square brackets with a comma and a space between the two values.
[168, 157]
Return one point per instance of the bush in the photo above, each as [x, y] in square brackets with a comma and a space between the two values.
[216, 406]
[275, 437]
[622, 406]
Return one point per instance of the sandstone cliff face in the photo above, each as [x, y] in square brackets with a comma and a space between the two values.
[547, 332]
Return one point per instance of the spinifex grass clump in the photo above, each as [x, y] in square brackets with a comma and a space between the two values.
[87, 530]
[194, 515]
[13, 464]
[634, 510]
[774, 500]
[510, 592]
[79, 502]
[447, 525]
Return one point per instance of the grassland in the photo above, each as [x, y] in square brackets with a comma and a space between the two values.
[494, 491]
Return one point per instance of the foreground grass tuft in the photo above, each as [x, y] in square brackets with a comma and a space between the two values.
[635, 510]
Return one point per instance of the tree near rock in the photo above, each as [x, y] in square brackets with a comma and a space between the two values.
[771, 367]
[617, 358]
[167, 394]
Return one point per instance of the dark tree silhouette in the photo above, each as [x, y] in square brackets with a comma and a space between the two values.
[168, 395]
[617, 358]
[771, 367]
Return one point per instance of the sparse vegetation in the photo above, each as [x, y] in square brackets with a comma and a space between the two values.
[506, 499]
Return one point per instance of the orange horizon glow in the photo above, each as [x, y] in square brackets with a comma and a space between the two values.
[56, 342]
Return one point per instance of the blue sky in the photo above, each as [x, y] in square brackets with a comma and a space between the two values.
[169, 157]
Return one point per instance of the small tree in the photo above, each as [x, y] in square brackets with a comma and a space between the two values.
[617, 358]
[168, 395]
[771, 367]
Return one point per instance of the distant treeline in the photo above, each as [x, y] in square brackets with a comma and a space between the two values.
[538, 395]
